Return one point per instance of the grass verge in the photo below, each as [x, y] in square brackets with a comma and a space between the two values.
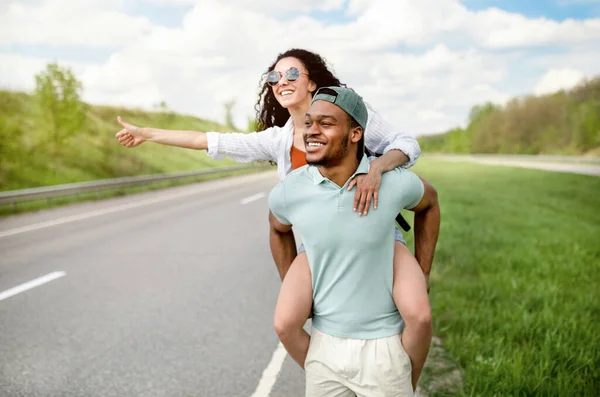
[514, 284]
[31, 158]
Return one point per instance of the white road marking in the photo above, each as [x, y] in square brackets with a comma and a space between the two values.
[269, 375]
[252, 198]
[31, 284]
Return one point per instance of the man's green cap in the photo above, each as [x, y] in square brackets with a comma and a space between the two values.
[347, 99]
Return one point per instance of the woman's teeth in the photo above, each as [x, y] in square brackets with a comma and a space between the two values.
[284, 93]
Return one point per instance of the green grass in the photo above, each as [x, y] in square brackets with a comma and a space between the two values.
[30, 158]
[514, 287]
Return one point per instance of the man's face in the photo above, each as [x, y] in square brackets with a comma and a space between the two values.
[328, 136]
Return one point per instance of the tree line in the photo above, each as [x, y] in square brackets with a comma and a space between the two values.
[565, 122]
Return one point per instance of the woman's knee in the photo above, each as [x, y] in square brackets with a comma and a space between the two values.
[417, 314]
[285, 324]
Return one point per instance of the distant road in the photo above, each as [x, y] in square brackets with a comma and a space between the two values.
[165, 293]
[572, 164]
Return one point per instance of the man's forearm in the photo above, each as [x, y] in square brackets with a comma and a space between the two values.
[185, 139]
[427, 229]
[389, 161]
[283, 249]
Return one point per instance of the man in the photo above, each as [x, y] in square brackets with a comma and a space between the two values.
[354, 348]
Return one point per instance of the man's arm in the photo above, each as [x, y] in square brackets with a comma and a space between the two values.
[283, 245]
[427, 227]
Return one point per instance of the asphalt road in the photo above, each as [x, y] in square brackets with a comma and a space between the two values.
[167, 293]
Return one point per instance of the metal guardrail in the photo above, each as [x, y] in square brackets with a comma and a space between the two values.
[46, 192]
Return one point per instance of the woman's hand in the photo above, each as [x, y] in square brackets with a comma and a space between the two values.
[367, 188]
[130, 135]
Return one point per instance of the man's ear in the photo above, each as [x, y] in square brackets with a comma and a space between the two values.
[356, 134]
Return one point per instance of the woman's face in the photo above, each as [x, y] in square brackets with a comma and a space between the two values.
[293, 93]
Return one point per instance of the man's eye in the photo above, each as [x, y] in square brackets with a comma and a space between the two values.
[326, 124]
[307, 123]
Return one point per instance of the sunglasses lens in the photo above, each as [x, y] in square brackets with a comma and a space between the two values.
[292, 74]
[273, 77]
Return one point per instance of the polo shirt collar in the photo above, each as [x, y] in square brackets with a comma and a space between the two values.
[363, 168]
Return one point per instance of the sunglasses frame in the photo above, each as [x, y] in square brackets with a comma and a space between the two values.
[285, 75]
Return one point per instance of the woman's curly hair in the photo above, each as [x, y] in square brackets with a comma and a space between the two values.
[269, 112]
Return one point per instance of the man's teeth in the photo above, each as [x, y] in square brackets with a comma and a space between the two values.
[284, 93]
[314, 144]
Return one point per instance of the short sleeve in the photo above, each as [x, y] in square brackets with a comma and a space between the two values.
[408, 188]
[277, 204]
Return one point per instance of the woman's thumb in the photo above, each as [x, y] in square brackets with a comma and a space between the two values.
[120, 120]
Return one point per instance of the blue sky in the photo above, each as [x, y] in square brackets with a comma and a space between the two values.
[165, 15]
[557, 10]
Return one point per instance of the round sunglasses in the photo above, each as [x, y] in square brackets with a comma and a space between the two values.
[291, 75]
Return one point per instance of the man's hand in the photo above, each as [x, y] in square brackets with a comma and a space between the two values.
[367, 188]
[130, 135]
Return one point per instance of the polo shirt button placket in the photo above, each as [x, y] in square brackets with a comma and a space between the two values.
[339, 203]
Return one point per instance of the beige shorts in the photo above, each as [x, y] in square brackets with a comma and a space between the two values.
[340, 367]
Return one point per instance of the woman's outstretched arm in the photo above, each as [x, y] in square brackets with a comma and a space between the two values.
[131, 136]
[240, 147]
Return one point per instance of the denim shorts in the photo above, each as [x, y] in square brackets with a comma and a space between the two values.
[397, 236]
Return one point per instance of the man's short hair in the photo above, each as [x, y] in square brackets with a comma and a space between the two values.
[360, 148]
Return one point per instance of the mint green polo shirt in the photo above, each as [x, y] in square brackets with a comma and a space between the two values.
[350, 257]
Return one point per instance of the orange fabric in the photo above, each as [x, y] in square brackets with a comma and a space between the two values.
[298, 158]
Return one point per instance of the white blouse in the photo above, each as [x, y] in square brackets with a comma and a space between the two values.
[275, 144]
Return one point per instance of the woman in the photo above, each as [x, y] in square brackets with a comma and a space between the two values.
[283, 101]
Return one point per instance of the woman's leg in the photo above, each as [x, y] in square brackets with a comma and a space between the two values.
[410, 296]
[293, 309]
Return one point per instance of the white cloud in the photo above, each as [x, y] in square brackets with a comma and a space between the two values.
[266, 6]
[171, 2]
[499, 29]
[558, 79]
[583, 58]
[17, 72]
[62, 22]
[416, 90]
[422, 65]
[356, 7]
[123, 80]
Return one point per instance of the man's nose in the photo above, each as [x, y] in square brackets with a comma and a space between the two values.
[310, 130]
